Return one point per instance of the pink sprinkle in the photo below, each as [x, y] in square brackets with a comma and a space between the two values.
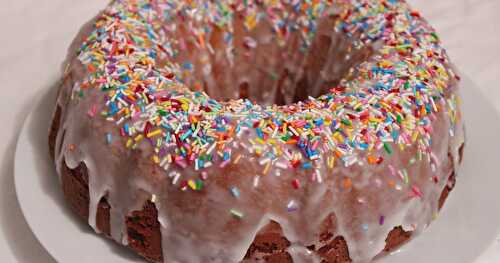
[315, 145]
[434, 158]
[316, 130]
[393, 171]
[181, 162]
[299, 123]
[136, 116]
[223, 164]
[92, 111]
[417, 192]
[381, 220]
[162, 93]
[204, 175]
[182, 44]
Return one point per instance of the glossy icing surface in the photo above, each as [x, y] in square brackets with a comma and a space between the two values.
[153, 110]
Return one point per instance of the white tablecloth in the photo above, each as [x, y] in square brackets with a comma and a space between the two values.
[34, 36]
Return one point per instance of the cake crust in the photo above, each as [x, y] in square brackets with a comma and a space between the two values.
[269, 245]
[271, 131]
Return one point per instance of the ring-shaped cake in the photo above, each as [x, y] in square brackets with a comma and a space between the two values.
[258, 130]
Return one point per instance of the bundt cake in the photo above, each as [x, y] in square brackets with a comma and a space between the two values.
[258, 130]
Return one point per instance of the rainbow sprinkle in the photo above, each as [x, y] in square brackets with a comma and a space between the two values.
[387, 106]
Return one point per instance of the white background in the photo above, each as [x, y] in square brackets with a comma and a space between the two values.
[33, 43]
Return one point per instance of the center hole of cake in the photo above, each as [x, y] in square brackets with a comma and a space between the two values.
[264, 69]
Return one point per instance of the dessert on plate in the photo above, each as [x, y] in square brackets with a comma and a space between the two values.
[258, 130]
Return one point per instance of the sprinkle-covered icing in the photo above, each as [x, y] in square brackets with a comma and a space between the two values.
[152, 109]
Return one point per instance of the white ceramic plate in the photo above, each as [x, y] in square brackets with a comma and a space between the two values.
[467, 225]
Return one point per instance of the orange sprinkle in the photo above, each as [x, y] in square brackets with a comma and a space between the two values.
[201, 40]
[347, 183]
[372, 159]
[391, 184]
[91, 68]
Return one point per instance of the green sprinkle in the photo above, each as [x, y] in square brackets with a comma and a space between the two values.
[406, 179]
[273, 76]
[285, 137]
[407, 85]
[435, 36]
[399, 119]
[199, 184]
[346, 122]
[387, 148]
[404, 46]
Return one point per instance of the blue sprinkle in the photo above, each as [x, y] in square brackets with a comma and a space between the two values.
[226, 156]
[307, 165]
[259, 133]
[188, 66]
[235, 191]
[363, 146]
[125, 78]
[395, 135]
[318, 122]
[186, 134]
[109, 138]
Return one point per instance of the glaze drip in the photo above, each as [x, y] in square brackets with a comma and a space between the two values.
[175, 102]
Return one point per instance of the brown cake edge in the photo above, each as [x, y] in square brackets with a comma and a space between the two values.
[143, 228]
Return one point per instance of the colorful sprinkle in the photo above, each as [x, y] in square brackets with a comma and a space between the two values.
[235, 191]
[236, 213]
[389, 103]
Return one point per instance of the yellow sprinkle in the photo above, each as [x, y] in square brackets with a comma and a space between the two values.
[138, 138]
[129, 143]
[251, 21]
[192, 184]
[401, 146]
[266, 168]
[279, 152]
[414, 136]
[434, 216]
[331, 162]
[156, 160]
[183, 100]
[153, 133]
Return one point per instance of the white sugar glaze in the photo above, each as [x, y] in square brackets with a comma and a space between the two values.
[197, 226]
